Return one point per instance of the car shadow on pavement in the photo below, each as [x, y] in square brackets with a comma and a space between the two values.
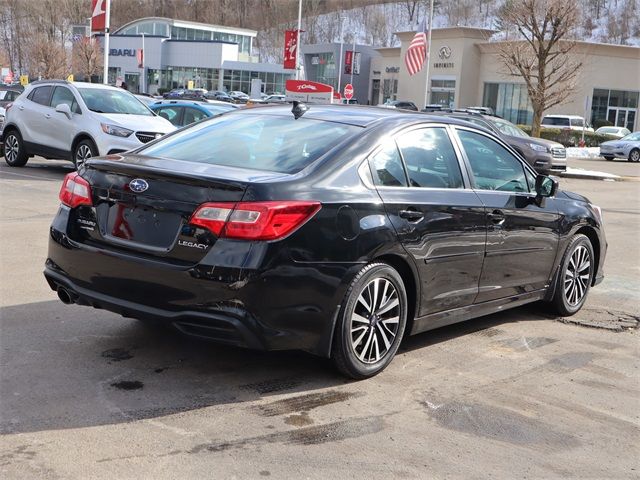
[45, 170]
[71, 367]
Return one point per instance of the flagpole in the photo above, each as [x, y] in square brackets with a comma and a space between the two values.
[353, 57]
[298, 40]
[341, 55]
[105, 61]
[428, 59]
[144, 77]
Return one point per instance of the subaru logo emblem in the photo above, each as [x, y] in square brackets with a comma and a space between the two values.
[138, 185]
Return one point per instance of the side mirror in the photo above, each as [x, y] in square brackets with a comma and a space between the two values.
[64, 108]
[545, 187]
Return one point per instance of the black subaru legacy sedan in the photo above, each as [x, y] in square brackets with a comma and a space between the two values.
[332, 229]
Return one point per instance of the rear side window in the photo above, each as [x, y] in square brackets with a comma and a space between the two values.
[257, 141]
[192, 115]
[41, 95]
[173, 114]
[64, 95]
[562, 122]
[430, 159]
[386, 167]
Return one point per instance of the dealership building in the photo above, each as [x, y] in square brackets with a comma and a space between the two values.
[465, 71]
[176, 52]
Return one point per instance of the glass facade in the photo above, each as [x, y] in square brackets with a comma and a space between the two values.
[324, 65]
[614, 107]
[510, 101]
[389, 89]
[184, 33]
[240, 80]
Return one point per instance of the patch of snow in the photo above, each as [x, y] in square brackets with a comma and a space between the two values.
[591, 173]
[584, 152]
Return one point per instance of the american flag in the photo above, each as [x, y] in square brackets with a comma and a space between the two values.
[417, 51]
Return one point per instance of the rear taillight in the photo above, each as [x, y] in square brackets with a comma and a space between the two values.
[8, 106]
[75, 191]
[254, 220]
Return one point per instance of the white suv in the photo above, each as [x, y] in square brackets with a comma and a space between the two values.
[76, 121]
[565, 122]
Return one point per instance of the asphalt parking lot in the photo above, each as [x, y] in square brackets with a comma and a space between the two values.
[519, 394]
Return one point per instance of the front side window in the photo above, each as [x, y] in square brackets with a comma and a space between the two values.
[103, 100]
[492, 165]
[256, 141]
[41, 95]
[62, 95]
[386, 167]
[577, 122]
[430, 158]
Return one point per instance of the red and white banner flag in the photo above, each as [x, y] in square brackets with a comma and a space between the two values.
[417, 52]
[290, 48]
[98, 15]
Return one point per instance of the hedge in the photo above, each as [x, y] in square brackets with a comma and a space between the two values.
[570, 138]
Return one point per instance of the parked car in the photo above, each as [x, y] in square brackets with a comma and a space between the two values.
[76, 121]
[565, 122]
[543, 155]
[275, 98]
[2, 115]
[239, 97]
[185, 112]
[627, 147]
[483, 110]
[401, 104]
[327, 228]
[8, 95]
[219, 95]
[146, 99]
[617, 132]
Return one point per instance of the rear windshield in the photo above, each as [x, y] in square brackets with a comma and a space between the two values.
[260, 142]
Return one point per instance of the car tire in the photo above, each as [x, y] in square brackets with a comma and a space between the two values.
[14, 152]
[368, 334]
[83, 151]
[575, 276]
[608, 158]
[634, 155]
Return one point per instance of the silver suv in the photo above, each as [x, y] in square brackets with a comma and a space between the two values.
[76, 121]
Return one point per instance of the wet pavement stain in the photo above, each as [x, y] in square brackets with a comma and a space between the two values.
[274, 385]
[117, 354]
[301, 420]
[128, 385]
[488, 332]
[332, 432]
[524, 344]
[570, 361]
[304, 402]
[498, 424]
[265, 473]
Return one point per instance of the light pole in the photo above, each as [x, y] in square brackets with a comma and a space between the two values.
[341, 55]
[298, 40]
[105, 71]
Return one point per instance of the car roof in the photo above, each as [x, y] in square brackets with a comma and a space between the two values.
[359, 115]
[189, 103]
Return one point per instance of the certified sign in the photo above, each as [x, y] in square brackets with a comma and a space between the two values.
[348, 91]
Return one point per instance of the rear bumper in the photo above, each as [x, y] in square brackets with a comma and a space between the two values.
[227, 325]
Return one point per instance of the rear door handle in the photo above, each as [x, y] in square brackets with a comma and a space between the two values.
[411, 215]
[497, 217]
[21, 107]
[48, 115]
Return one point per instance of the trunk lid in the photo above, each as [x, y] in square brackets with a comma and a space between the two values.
[143, 204]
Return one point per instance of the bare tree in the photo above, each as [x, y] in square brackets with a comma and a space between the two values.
[542, 55]
[46, 59]
[87, 57]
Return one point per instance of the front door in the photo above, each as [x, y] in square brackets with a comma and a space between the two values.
[439, 220]
[622, 117]
[522, 237]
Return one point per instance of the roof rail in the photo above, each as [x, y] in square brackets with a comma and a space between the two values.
[38, 82]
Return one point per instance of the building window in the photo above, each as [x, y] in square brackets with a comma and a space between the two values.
[614, 107]
[510, 101]
[389, 90]
[443, 92]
